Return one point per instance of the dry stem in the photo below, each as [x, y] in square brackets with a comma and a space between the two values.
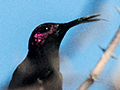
[102, 62]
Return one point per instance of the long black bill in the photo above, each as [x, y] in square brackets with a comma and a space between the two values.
[64, 27]
[82, 20]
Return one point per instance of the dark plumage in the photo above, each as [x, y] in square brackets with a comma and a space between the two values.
[40, 68]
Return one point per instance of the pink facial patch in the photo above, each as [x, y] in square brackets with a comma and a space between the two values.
[39, 38]
[35, 39]
[35, 35]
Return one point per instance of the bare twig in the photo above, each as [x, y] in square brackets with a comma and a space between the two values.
[102, 62]
[118, 9]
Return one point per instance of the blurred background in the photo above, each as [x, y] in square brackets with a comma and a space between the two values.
[79, 51]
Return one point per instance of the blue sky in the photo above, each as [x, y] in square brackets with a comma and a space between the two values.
[79, 51]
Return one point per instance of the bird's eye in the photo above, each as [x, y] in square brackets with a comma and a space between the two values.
[46, 28]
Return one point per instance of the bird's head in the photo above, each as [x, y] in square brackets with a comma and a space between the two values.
[53, 33]
[47, 32]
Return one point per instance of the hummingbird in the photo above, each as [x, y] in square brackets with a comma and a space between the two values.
[40, 70]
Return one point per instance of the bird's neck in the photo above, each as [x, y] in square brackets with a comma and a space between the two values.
[47, 55]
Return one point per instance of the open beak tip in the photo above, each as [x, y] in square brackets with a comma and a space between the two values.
[90, 16]
[95, 15]
[93, 20]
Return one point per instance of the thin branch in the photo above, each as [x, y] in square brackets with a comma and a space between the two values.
[102, 62]
[118, 9]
